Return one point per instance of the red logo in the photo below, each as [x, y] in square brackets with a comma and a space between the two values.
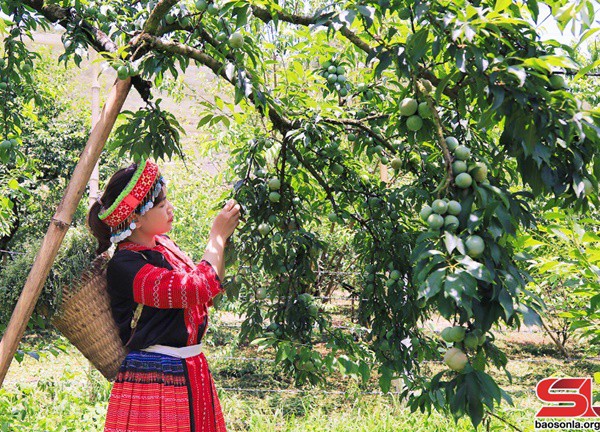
[579, 397]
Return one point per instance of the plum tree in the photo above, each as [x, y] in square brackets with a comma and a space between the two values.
[428, 87]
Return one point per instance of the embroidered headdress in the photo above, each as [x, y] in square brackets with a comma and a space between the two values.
[137, 196]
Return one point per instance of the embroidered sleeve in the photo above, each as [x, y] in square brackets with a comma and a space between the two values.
[211, 270]
[169, 289]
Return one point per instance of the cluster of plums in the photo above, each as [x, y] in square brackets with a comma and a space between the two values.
[455, 358]
[443, 213]
[334, 73]
[463, 173]
[414, 112]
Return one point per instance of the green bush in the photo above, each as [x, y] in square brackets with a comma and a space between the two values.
[75, 254]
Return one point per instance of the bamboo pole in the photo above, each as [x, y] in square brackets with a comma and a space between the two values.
[95, 177]
[59, 225]
[383, 172]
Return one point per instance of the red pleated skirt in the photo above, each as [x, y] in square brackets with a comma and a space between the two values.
[154, 392]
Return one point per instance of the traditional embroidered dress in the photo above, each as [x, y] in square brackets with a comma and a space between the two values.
[155, 392]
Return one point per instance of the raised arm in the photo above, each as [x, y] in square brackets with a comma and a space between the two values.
[160, 287]
[223, 227]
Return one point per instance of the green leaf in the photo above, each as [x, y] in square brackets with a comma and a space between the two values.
[507, 397]
[457, 403]
[204, 120]
[498, 192]
[452, 241]
[433, 284]
[501, 5]
[532, 243]
[281, 355]
[534, 8]
[479, 361]
[416, 45]
[439, 398]
[239, 95]
[488, 383]
[506, 220]
[530, 316]
[476, 269]
[453, 287]
[347, 17]
[33, 354]
[475, 407]
[586, 69]
[506, 302]
[385, 59]
[365, 371]
[13, 184]
[347, 366]
[385, 379]
[368, 12]
[242, 16]
[439, 90]
[422, 270]
[518, 72]
[260, 342]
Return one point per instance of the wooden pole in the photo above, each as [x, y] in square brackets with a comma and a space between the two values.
[59, 224]
[383, 172]
[95, 177]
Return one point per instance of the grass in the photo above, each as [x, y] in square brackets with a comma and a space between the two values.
[62, 393]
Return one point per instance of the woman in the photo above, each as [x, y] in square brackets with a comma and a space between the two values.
[164, 383]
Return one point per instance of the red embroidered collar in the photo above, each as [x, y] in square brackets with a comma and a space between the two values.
[162, 243]
[127, 244]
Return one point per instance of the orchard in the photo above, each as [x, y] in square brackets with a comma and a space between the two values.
[461, 101]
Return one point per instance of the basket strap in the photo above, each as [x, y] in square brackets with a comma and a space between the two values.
[136, 315]
[138, 310]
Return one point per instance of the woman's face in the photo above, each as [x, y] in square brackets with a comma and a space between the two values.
[159, 219]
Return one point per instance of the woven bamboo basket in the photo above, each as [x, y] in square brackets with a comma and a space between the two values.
[84, 317]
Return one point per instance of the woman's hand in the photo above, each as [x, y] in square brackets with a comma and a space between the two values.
[227, 220]
[222, 228]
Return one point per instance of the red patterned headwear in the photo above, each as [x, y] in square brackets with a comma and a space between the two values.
[138, 196]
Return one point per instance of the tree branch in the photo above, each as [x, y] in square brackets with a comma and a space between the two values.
[204, 35]
[441, 140]
[327, 189]
[97, 38]
[281, 123]
[265, 16]
[556, 341]
[360, 125]
[503, 420]
[158, 13]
